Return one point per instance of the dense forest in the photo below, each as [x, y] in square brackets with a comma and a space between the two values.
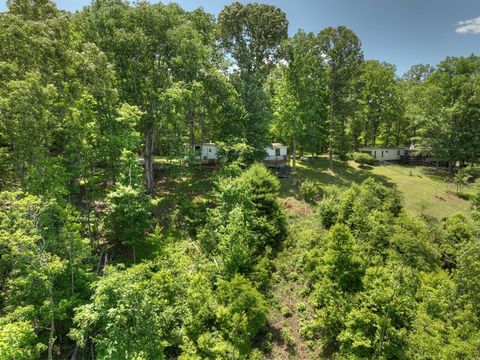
[116, 244]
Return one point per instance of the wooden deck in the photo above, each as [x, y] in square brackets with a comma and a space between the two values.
[277, 161]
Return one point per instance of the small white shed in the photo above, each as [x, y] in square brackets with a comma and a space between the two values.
[385, 154]
[206, 152]
[277, 155]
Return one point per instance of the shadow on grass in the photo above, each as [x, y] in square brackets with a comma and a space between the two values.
[436, 174]
[317, 170]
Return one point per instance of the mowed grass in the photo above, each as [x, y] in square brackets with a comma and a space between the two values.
[426, 191]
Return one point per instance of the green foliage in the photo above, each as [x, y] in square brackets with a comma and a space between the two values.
[365, 276]
[45, 267]
[251, 34]
[381, 111]
[234, 246]
[448, 107]
[246, 221]
[7, 169]
[88, 99]
[310, 190]
[242, 312]
[460, 179]
[328, 208]
[128, 215]
[378, 325]
[263, 188]
[134, 313]
[240, 154]
[456, 230]
[300, 95]
[341, 48]
[363, 159]
[471, 173]
[18, 341]
[339, 262]
[466, 275]
[475, 198]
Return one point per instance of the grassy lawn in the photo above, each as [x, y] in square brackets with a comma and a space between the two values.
[424, 190]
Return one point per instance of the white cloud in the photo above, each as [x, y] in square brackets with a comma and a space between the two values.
[471, 26]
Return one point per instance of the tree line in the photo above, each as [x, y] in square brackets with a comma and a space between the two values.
[190, 77]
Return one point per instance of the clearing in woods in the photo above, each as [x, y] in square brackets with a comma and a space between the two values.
[426, 191]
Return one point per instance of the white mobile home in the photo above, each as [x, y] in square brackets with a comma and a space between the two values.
[206, 153]
[277, 155]
[385, 154]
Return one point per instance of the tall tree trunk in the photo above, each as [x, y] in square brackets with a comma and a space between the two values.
[148, 158]
[332, 110]
[202, 125]
[294, 155]
[51, 339]
[330, 135]
[191, 124]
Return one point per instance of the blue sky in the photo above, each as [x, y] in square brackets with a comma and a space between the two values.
[402, 32]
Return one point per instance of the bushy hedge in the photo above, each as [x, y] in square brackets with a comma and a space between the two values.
[363, 159]
[310, 190]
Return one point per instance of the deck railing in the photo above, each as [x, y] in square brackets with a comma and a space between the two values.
[276, 158]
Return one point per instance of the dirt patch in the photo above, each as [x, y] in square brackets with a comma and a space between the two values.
[294, 205]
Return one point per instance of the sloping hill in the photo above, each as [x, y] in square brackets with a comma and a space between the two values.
[425, 191]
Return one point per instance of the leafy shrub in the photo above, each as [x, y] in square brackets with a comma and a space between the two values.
[464, 195]
[128, 214]
[340, 261]
[189, 216]
[343, 156]
[301, 307]
[353, 205]
[234, 246]
[310, 190]
[286, 312]
[475, 198]
[472, 173]
[242, 312]
[363, 159]
[328, 211]
[456, 230]
[239, 153]
[261, 188]
[287, 337]
[17, 341]
[460, 179]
